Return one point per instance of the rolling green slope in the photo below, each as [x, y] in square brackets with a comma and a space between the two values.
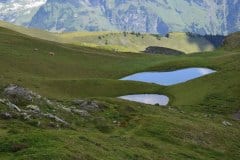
[135, 42]
[124, 42]
[30, 32]
[232, 42]
[193, 126]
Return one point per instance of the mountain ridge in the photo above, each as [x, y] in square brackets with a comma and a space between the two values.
[151, 16]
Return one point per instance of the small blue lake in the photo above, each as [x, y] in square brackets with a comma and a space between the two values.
[152, 99]
[169, 78]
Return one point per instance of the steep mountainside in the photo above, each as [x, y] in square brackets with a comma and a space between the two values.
[154, 16]
[19, 11]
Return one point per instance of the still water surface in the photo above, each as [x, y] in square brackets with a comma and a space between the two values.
[169, 78]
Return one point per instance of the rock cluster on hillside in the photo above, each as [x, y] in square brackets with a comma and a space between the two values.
[27, 105]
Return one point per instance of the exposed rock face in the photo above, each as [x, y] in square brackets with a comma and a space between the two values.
[81, 112]
[19, 11]
[87, 105]
[19, 95]
[13, 106]
[33, 108]
[25, 104]
[56, 118]
[10, 104]
[155, 16]
[226, 123]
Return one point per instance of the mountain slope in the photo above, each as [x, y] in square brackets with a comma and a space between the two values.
[19, 11]
[155, 16]
[232, 42]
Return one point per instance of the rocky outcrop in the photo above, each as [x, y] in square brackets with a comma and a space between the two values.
[33, 108]
[80, 112]
[226, 123]
[10, 104]
[20, 95]
[88, 105]
[54, 117]
[27, 105]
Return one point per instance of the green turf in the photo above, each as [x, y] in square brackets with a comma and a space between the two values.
[117, 41]
[189, 128]
[232, 41]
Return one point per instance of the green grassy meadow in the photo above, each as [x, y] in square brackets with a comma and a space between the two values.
[121, 42]
[190, 128]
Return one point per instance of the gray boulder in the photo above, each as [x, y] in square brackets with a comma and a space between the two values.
[19, 95]
[81, 112]
[226, 123]
[13, 106]
[66, 109]
[78, 102]
[47, 101]
[86, 105]
[26, 116]
[10, 105]
[33, 108]
[89, 106]
[22, 96]
[57, 119]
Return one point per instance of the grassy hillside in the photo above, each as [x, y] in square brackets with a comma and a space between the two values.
[125, 42]
[193, 126]
[31, 32]
[135, 42]
[232, 42]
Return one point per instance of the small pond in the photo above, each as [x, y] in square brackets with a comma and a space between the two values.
[152, 99]
[169, 78]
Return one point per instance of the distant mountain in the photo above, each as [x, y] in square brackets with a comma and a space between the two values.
[153, 16]
[19, 11]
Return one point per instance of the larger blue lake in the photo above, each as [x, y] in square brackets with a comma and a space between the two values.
[169, 78]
